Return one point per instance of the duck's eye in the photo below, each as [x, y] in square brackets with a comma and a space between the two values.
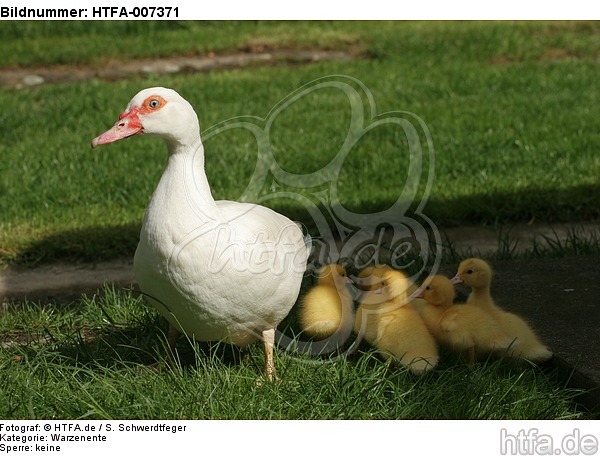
[154, 103]
[428, 287]
[469, 271]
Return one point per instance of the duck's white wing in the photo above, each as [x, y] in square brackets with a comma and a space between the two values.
[273, 243]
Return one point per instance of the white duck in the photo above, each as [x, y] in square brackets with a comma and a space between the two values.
[216, 270]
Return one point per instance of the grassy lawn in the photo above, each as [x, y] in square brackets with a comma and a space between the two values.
[511, 108]
[92, 366]
[512, 111]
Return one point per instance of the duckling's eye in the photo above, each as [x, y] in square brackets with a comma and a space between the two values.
[428, 287]
[154, 103]
[469, 271]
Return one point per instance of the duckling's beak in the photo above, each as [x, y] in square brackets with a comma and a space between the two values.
[416, 294]
[456, 280]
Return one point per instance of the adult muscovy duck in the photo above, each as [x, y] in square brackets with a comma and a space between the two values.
[216, 270]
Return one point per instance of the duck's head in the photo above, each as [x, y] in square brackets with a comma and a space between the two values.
[371, 277]
[393, 285]
[474, 272]
[438, 291]
[333, 275]
[155, 111]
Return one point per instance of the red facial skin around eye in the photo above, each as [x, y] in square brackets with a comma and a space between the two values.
[133, 119]
[129, 122]
[147, 109]
[132, 112]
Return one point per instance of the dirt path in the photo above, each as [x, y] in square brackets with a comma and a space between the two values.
[28, 77]
[68, 281]
[63, 280]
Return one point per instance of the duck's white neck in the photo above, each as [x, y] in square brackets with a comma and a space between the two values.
[185, 178]
[190, 144]
[182, 202]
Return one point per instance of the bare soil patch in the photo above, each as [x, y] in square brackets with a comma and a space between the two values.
[549, 55]
[112, 71]
[63, 280]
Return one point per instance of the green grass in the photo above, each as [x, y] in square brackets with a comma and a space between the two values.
[93, 42]
[576, 241]
[511, 108]
[89, 360]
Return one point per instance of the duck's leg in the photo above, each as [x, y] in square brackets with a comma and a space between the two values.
[268, 337]
[172, 336]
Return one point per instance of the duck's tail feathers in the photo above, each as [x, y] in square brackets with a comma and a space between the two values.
[308, 241]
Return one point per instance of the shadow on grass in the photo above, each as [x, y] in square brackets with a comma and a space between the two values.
[574, 204]
[87, 244]
[133, 346]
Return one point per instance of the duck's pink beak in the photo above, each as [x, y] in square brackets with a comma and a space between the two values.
[128, 125]
[456, 279]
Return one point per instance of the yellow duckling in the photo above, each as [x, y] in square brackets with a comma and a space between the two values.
[385, 321]
[370, 277]
[461, 327]
[328, 309]
[477, 274]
